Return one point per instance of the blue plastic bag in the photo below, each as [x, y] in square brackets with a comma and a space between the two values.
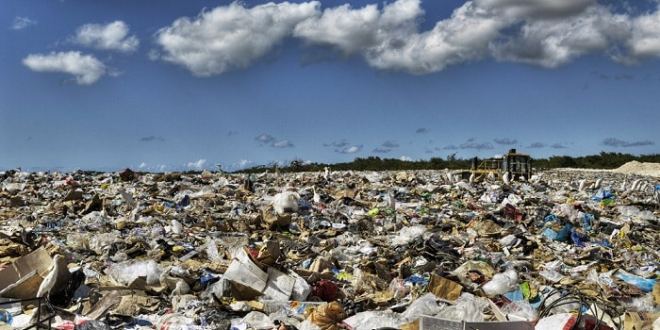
[643, 284]
[602, 194]
[577, 238]
[587, 221]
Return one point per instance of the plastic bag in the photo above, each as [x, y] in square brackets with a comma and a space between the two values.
[467, 308]
[407, 234]
[425, 305]
[126, 272]
[501, 283]
[374, 320]
[520, 310]
[557, 321]
[258, 321]
[99, 242]
[398, 288]
[286, 202]
[177, 227]
[176, 322]
[643, 284]
[212, 251]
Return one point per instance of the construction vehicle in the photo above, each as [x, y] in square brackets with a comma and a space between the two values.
[516, 164]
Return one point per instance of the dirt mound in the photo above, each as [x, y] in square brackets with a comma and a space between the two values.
[639, 168]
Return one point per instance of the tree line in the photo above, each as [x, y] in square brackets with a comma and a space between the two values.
[604, 160]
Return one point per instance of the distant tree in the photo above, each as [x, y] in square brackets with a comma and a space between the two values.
[296, 164]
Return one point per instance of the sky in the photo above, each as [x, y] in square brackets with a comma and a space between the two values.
[189, 84]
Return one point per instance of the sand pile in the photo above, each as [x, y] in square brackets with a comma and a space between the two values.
[639, 168]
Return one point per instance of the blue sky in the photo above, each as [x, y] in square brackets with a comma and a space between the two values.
[110, 84]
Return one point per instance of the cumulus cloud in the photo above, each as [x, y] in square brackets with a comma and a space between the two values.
[337, 144]
[282, 144]
[349, 149]
[267, 139]
[405, 159]
[196, 165]
[343, 147]
[558, 146]
[386, 147]
[152, 138]
[86, 69]
[230, 37]
[551, 43]
[506, 141]
[389, 36]
[111, 36]
[536, 145]
[645, 39]
[614, 142]
[380, 150]
[472, 144]
[21, 23]
[390, 144]
[537, 9]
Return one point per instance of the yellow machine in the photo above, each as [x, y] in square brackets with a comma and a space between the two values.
[517, 164]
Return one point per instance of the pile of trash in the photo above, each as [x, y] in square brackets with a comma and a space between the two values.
[330, 250]
[639, 168]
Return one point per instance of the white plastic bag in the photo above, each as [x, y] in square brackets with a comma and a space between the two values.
[286, 202]
[407, 234]
[126, 272]
[501, 283]
[467, 308]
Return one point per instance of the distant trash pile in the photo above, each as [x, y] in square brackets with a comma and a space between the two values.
[639, 168]
[331, 250]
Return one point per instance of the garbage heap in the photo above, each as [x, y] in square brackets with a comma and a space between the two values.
[342, 250]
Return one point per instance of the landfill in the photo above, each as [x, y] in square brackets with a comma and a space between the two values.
[328, 250]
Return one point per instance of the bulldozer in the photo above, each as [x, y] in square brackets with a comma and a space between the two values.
[518, 166]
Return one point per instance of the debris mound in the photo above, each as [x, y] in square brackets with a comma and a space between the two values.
[639, 168]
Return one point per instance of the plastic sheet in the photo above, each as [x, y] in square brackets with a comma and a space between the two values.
[128, 271]
[501, 283]
[467, 308]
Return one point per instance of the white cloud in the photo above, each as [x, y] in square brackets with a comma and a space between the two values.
[349, 149]
[348, 29]
[21, 23]
[230, 37]
[85, 68]
[142, 165]
[551, 43]
[548, 33]
[464, 36]
[405, 159]
[265, 138]
[196, 165]
[645, 41]
[388, 39]
[282, 144]
[536, 9]
[111, 36]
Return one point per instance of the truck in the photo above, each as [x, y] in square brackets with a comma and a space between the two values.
[518, 165]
